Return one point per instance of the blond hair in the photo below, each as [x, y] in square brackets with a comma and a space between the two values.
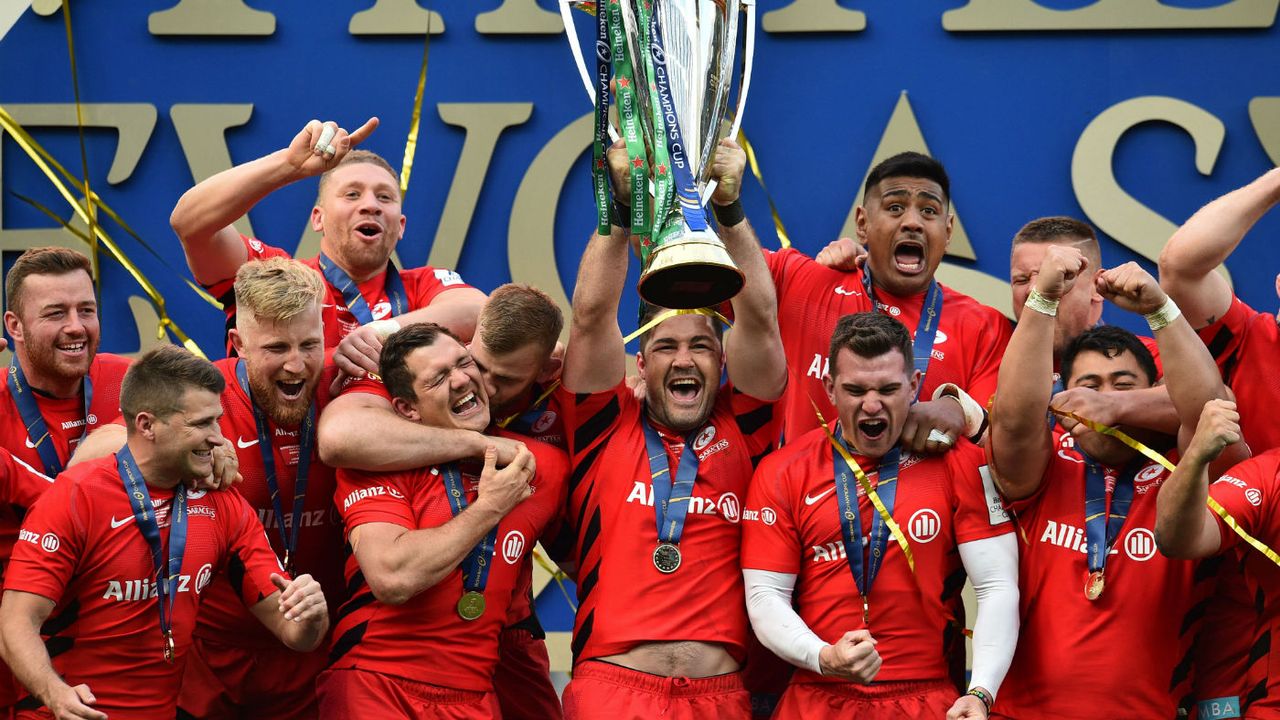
[353, 158]
[277, 288]
[517, 315]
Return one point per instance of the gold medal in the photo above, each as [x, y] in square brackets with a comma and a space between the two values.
[168, 647]
[1094, 584]
[471, 605]
[666, 557]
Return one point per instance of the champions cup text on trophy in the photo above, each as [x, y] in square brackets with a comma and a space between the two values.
[671, 64]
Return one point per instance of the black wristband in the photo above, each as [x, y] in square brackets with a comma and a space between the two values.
[620, 215]
[729, 215]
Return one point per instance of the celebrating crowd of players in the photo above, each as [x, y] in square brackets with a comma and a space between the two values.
[337, 520]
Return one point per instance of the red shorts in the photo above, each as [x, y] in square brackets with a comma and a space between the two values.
[929, 700]
[603, 691]
[351, 694]
[225, 681]
[523, 678]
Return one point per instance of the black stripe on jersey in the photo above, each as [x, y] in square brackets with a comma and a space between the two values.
[355, 603]
[235, 573]
[356, 582]
[580, 638]
[1261, 647]
[1257, 692]
[30, 702]
[349, 639]
[61, 621]
[590, 431]
[751, 421]
[588, 584]
[952, 585]
[580, 469]
[58, 645]
[589, 536]
[1181, 671]
[1220, 341]
[755, 459]
[1194, 615]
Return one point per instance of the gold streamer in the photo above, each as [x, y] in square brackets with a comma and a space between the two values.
[545, 394]
[411, 144]
[556, 574]
[36, 153]
[84, 156]
[1214, 505]
[784, 240]
[668, 314]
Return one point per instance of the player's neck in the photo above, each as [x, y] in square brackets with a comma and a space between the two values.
[358, 275]
[46, 382]
[156, 472]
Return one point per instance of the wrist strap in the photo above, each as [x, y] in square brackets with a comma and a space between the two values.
[1042, 304]
[983, 695]
[729, 215]
[975, 416]
[620, 215]
[1161, 318]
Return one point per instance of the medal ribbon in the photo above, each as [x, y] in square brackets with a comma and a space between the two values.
[663, 183]
[523, 422]
[167, 574]
[629, 112]
[475, 567]
[394, 287]
[599, 163]
[1214, 505]
[673, 140]
[37, 430]
[926, 327]
[670, 497]
[1106, 505]
[266, 448]
[886, 490]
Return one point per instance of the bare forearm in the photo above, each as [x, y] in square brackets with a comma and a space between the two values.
[1149, 409]
[456, 310]
[27, 657]
[220, 200]
[1209, 236]
[345, 440]
[757, 364]
[595, 359]
[419, 559]
[1181, 515]
[1190, 375]
[1018, 414]
[304, 636]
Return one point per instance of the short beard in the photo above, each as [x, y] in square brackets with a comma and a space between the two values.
[283, 414]
[45, 361]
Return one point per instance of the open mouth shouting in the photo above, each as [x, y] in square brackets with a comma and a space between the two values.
[369, 230]
[291, 390]
[467, 405]
[909, 256]
[685, 390]
[873, 430]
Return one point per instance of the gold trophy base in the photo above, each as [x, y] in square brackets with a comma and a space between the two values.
[692, 272]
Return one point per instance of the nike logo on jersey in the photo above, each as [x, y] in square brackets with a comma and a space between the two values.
[31, 444]
[242, 444]
[841, 291]
[117, 523]
[811, 499]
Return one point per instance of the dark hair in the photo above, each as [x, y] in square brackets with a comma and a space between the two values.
[1062, 230]
[41, 261]
[649, 312]
[156, 382]
[870, 335]
[1110, 341]
[391, 365]
[908, 164]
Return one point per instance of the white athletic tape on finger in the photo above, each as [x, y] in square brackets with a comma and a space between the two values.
[326, 136]
[936, 435]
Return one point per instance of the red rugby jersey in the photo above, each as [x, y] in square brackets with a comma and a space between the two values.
[1244, 342]
[223, 617]
[425, 640]
[966, 351]
[1248, 492]
[792, 525]
[1131, 647]
[421, 286]
[623, 600]
[81, 548]
[20, 483]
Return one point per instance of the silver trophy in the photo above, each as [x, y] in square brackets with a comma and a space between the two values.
[669, 67]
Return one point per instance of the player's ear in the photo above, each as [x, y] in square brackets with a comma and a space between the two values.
[406, 409]
[13, 325]
[317, 219]
[829, 384]
[551, 369]
[237, 341]
[144, 424]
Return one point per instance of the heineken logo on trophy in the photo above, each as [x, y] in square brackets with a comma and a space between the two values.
[668, 67]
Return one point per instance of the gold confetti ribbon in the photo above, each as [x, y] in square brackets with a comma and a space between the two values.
[84, 156]
[784, 239]
[415, 121]
[1214, 505]
[556, 574]
[668, 314]
[545, 394]
[37, 155]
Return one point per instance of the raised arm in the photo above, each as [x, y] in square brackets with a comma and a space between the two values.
[595, 359]
[1185, 528]
[362, 431]
[1205, 241]
[457, 309]
[757, 364]
[204, 214]
[21, 616]
[399, 563]
[1020, 438]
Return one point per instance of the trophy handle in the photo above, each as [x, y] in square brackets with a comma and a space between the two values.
[748, 56]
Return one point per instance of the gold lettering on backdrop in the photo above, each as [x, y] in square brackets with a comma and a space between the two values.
[211, 17]
[1109, 206]
[46, 7]
[1265, 114]
[531, 247]
[396, 17]
[987, 15]
[519, 17]
[900, 135]
[483, 123]
[202, 133]
[813, 16]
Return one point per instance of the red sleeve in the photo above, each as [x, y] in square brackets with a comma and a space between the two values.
[249, 549]
[430, 282]
[20, 484]
[756, 420]
[51, 542]
[978, 511]
[988, 353]
[364, 497]
[257, 250]
[370, 384]
[550, 483]
[1246, 492]
[589, 418]
[1153, 347]
[770, 538]
[1226, 336]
